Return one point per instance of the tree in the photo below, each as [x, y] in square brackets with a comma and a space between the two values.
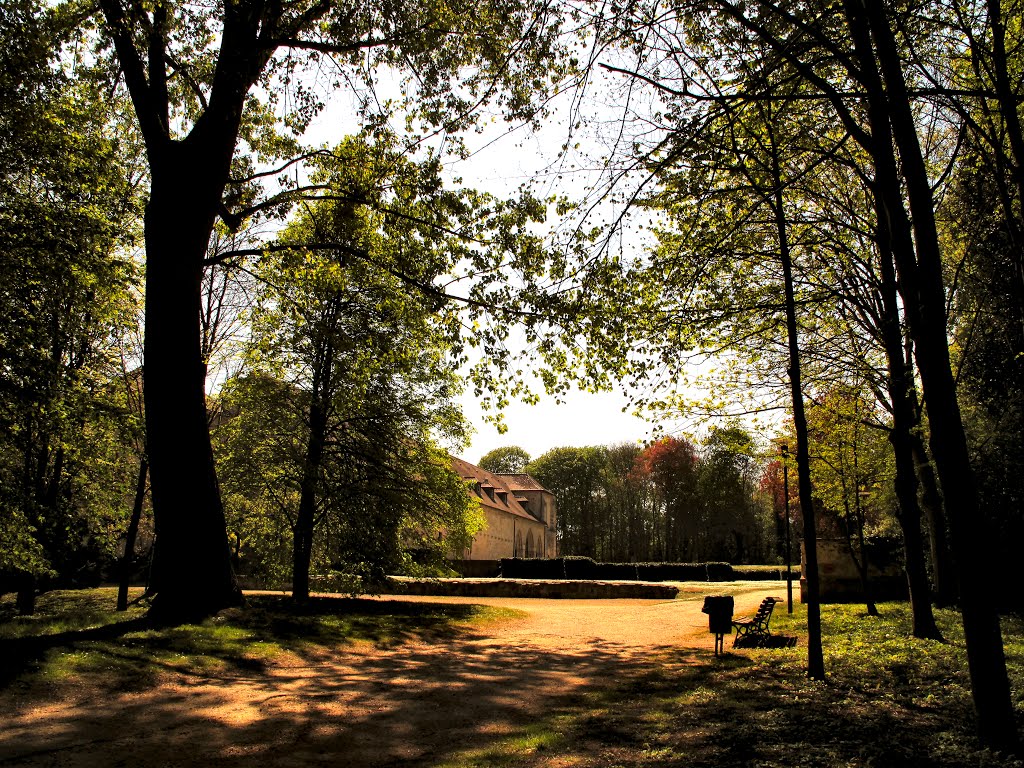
[920, 269]
[740, 527]
[67, 213]
[509, 460]
[195, 76]
[352, 378]
[576, 478]
[982, 218]
[680, 531]
[628, 506]
[850, 467]
[744, 54]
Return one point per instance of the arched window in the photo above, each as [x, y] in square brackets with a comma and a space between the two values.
[530, 551]
[517, 550]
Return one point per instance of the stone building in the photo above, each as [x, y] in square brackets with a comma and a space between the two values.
[520, 515]
[839, 580]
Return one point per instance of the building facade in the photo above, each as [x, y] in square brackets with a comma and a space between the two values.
[520, 515]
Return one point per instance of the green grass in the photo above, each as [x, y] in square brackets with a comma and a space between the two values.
[889, 700]
[76, 636]
[65, 611]
[764, 568]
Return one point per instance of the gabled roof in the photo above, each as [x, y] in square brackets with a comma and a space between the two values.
[521, 482]
[504, 495]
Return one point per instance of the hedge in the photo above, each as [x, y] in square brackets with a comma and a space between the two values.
[765, 574]
[585, 569]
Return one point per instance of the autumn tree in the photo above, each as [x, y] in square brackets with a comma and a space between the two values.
[680, 531]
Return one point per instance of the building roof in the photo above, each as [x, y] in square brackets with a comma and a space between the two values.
[521, 482]
[505, 498]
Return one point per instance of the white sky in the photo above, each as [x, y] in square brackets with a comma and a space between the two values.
[500, 164]
[584, 419]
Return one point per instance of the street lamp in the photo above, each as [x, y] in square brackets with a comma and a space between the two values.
[789, 536]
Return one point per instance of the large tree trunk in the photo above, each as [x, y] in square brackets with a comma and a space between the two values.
[192, 569]
[924, 291]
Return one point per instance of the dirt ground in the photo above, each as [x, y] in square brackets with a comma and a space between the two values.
[415, 704]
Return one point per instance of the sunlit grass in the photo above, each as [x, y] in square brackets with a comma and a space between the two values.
[889, 700]
[534, 742]
[66, 611]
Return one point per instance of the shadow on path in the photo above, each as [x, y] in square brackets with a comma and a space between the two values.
[415, 704]
[417, 696]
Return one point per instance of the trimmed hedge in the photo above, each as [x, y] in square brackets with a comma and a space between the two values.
[585, 569]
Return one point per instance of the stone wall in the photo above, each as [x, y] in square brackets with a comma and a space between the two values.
[838, 577]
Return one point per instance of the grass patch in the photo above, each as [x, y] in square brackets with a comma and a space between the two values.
[765, 569]
[66, 611]
[534, 742]
[76, 637]
[889, 700]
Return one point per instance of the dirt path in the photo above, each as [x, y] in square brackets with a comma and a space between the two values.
[418, 703]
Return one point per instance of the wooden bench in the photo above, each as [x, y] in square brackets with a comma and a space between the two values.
[754, 629]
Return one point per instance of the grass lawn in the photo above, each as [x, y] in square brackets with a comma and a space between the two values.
[76, 637]
[889, 700]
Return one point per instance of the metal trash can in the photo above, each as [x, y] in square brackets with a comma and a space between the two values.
[719, 610]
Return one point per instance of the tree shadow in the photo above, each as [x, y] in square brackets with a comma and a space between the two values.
[429, 691]
[735, 711]
[432, 694]
[766, 641]
[22, 653]
[133, 653]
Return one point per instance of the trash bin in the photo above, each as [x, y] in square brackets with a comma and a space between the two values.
[719, 610]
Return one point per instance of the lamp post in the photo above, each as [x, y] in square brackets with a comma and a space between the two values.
[789, 536]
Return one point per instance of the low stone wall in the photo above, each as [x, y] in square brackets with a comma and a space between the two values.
[597, 590]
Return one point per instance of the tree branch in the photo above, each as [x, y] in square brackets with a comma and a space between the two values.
[134, 70]
[322, 47]
[424, 287]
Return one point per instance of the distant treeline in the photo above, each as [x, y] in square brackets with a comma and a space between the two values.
[671, 502]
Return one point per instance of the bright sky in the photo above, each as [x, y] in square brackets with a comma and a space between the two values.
[500, 164]
[584, 419]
